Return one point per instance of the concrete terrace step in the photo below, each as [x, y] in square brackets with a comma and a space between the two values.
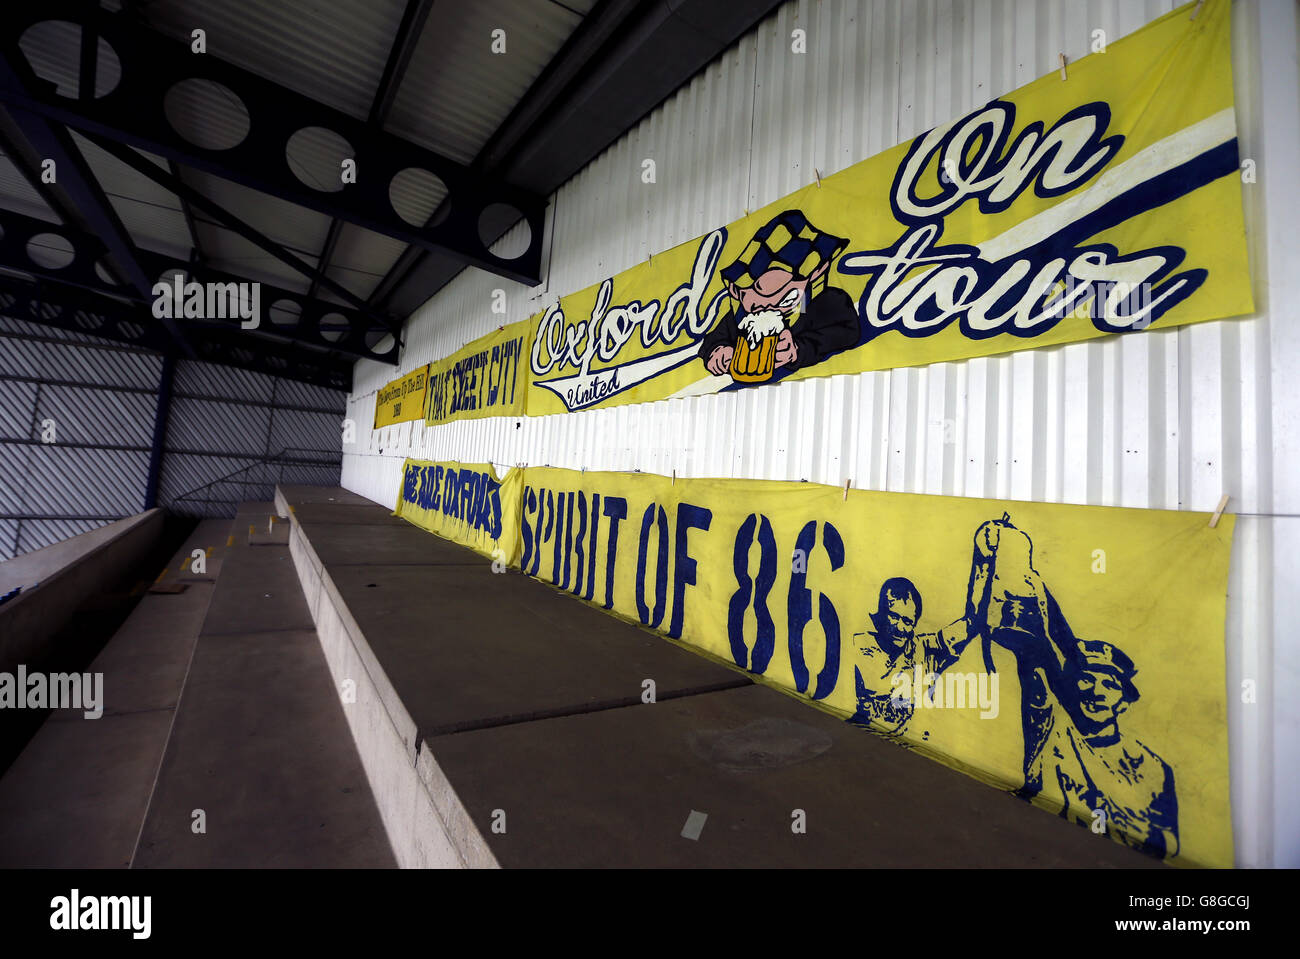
[216, 698]
[77, 794]
[494, 700]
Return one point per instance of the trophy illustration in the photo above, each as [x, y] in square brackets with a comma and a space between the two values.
[1005, 589]
[754, 360]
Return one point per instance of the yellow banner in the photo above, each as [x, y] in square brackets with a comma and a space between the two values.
[1106, 203]
[466, 503]
[402, 399]
[489, 377]
[1073, 655]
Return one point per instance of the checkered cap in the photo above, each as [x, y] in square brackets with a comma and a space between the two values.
[786, 242]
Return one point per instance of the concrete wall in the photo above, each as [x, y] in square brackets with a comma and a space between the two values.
[51, 596]
[1171, 419]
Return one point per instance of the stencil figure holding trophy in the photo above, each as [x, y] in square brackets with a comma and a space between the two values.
[1073, 693]
[787, 316]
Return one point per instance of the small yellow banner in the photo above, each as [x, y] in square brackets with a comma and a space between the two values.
[466, 503]
[402, 399]
[489, 377]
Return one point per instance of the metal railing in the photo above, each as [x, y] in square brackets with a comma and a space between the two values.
[272, 466]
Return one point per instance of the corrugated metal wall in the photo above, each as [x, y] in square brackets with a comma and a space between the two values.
[1169, 419]
[224, 422]
[99, 395]
[102, 397]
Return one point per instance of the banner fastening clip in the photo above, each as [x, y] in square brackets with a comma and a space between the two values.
[1223, 502]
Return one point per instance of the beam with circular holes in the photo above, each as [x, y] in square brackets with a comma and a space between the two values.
[160, 86]
[69, 257]
[83, 311]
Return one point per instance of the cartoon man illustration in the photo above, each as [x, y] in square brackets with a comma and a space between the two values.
[889, 654]
[787, 316]
[1073, 692]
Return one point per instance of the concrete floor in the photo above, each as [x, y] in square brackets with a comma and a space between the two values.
[216, 698]
[526, 712]
[500, 722]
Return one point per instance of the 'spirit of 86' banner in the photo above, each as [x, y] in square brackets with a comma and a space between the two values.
[1073, 655]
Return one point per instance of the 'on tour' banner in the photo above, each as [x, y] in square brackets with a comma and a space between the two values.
[1073, 655]
[466, 503]
[1069, 209]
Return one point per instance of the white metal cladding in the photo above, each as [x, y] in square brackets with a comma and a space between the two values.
[1166, 419]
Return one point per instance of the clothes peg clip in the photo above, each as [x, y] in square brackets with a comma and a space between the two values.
[1063, 76]
[674, 477]
[1223, 502]
[1199, 3]
[847, 484]
[819, 177]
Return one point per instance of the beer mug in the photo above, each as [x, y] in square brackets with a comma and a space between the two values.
[754, 365]
[754, 359]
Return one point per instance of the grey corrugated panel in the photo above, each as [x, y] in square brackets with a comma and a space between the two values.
[74, 362]
[17, 403]
[332, 52]
[310, 475]
[211, 379]
[73, 482]
[155, 228]
[8, 539]
[88, 415]
[51, 48]
[182, 473]
[8, 324]
[359, 281]
[38, 533]
[293, 393]
[228, 251]
[456, 91]
[305, 431]
[293, 226]
[13, 477]
[362, 258]
[151, 213]
[217, 426]
[19, 195]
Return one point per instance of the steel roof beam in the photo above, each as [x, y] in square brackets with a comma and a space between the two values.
[19, 230]
[81, 311]
[399, 55]
[75, 179]
[133, 113]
